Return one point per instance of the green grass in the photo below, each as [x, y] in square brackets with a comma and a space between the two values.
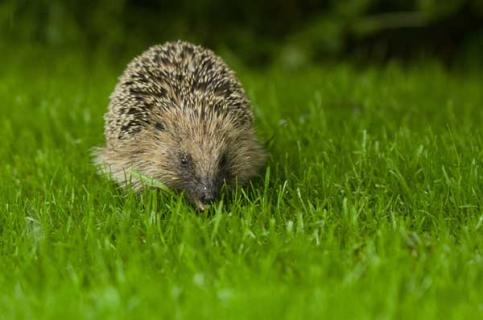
[370, 206]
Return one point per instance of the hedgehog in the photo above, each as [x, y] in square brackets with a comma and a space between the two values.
[179, 115]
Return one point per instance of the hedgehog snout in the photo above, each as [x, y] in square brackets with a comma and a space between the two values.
[208, 191]
[205, 193]
[207, 197]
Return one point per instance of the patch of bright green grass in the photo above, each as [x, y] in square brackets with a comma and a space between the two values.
[370, 206]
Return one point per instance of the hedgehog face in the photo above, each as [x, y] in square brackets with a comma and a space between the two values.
[200, 161]
[198, 157]
[201, 172]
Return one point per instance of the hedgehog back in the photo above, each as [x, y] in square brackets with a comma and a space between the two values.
[173, 75]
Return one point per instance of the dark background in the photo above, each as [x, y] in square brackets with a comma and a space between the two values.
[259, 33]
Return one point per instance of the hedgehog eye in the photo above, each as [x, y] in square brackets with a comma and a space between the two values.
[185, 160]
[159, 126]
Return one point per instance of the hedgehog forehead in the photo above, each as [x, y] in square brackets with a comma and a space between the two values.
[202, 143]
[202, 134]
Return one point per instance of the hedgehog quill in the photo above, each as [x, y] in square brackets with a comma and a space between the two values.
[179, 115]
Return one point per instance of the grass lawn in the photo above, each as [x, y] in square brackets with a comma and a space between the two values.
[370, 206]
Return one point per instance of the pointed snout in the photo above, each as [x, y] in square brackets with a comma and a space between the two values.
[207, 193]
[207, 197]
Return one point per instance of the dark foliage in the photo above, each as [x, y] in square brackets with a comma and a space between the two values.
[291, 31]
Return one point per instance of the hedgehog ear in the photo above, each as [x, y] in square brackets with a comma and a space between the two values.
[159, 126]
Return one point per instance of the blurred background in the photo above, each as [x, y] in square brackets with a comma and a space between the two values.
[292, 33]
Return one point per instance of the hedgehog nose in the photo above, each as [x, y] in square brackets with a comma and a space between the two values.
[207, 197]
[207, 193]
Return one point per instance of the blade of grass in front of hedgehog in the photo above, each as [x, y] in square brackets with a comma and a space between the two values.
[151, 182]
